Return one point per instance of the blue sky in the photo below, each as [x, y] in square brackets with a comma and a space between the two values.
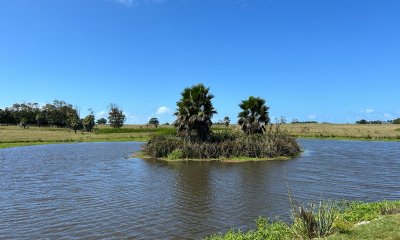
[323, 60]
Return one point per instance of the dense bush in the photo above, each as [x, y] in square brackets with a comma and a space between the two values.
[225, 145]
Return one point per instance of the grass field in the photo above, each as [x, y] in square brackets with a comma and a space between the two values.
[346, 131]
[11, 136]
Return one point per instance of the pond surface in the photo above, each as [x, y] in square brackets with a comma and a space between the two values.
[91, 190]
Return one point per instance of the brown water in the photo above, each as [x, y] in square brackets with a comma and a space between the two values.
[92, 191]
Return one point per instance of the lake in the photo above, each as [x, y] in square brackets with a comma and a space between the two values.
[94, 190]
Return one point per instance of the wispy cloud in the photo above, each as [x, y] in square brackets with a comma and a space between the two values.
[101, 114]
[388, 116]
[312, 116]
[163, 110]
[368, 111]
[130, 3]
[130, 118]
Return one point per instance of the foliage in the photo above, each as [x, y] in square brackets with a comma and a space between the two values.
[116, 118]
[254, 115]
[314, 221]
[75, 123]
[362, 121]
[265, 230]
[359, 211]
[325, 219]
[88, 122]
[227, 145]
[154, 121]
[175, 155]
[24, 122]
[194, 113]
[386, 227]
[102, 121]
[396, 121]
[226, 121]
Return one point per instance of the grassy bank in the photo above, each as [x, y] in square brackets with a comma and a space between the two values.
[381, 132]
[11, 136]
[354, 220]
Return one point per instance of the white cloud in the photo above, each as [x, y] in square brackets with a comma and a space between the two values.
[130, 118]
[163, 110]
[127, 3]
[368, 111]
[388, 115]
[101, 114]
[130, 3]
[312, 116]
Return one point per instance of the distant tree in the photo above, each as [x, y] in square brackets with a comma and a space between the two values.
[194, 113]
[154, 121]
[362, 121]
[75, 124]
[116, 118]
[24, 122]
[88, 122]
[41, 119]
[254, 115]
[102, 121]
[226, 121]
[396, 121]
[2, 116]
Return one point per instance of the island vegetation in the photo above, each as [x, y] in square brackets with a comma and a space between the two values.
[195, 140]
[30, 124]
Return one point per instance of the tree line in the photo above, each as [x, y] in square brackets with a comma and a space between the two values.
[57, 114]
[394, 121]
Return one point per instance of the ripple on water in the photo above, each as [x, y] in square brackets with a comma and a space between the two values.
[89, 190]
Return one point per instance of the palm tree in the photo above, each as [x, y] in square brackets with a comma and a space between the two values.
[194, 113]
[254, 115]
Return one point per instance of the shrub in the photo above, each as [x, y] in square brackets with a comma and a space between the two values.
[226, 145]
[176, 154]
[314, 221]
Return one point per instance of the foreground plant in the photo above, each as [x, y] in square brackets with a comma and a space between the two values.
[265, 230]
[314, 221]
[333, 219]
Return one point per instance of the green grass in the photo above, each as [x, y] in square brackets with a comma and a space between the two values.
[387, 227]
[125, 130]
[14, 136]
[384, 223]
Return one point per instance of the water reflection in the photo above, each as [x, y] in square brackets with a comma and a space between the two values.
[92, 191]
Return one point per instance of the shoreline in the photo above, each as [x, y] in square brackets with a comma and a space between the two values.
[223, 160]
[4, 145]
[145, 139]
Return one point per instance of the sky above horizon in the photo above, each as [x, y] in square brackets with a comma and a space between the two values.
[328, 61]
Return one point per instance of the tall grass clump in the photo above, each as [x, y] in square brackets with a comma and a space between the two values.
[315, 220]
[225, 145]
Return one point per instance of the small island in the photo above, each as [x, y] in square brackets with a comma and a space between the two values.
[257, 139]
